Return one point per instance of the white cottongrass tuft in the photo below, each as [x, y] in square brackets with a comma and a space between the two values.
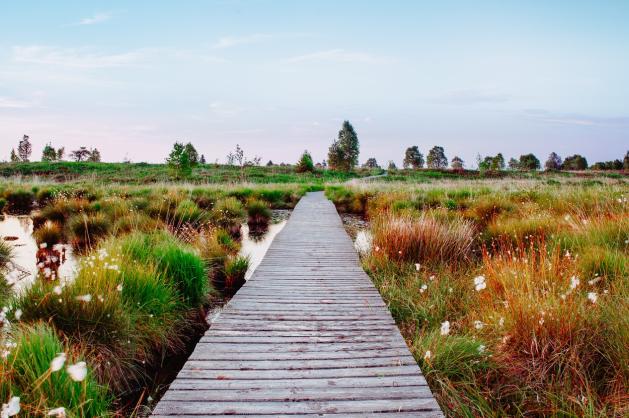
[417, 266]
[592, 297]
[11, 408]
[57, 363]
[478, 324]
[84, 298]
[574, 282]
[427, 355]
[77, 371]
[57, 412]
[479, 283]
[423, 288]
[445, 327]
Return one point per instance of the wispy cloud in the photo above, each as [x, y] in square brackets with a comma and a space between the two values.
[10, 103]
[231, 41]
[97, 18]
[576, 118]
[472, 97]
[224, 110]
[337, 55]
[71, 57]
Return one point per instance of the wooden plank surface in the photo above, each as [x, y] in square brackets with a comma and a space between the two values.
[308, 335]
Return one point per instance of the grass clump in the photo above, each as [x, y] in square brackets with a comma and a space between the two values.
[423, 239]
[19, 201]
[26, 372]
[179, 263]
[258, 213]
[235, 271]
[84, 231]
[50, 234]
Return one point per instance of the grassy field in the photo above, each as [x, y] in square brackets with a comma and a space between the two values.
[512, 294]
[511, 291]
[144, 173]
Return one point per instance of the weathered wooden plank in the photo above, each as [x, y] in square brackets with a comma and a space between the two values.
[305, 407]
[308, 335]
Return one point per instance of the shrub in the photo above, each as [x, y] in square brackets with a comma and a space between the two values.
[27, 372]
[19, 201]
[86, 230]
[50, 233]
[423, 239]
[3, 203]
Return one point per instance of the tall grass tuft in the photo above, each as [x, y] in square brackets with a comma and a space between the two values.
[423, 239]
[86, 230]
[26, 372]
[50, 233]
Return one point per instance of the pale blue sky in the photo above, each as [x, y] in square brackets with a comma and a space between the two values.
[279, 77]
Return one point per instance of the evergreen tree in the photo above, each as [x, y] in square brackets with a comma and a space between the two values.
[436, 158]
[14, 157]
[343, 153]
[202, 159]
[193, 155]
[371, 163]
[94, 156]
[305, 163]
[413, 158]
[49, 153]
[60, 153]
[529, 162]
[514, 164]
[80, 154]
[553, 163]
[457, 163]
[575, 162]
[392, 166]
[625, 162]
[269, 164]
[498, 162]
[25, 148]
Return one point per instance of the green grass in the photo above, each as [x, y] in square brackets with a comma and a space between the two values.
[144, 173]
[26, 373]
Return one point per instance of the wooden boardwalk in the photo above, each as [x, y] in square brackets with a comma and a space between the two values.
[307, 335]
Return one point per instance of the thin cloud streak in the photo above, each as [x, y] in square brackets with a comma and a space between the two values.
[231, 41]
[575, 118]
[97, 18]
[337, 55]
[471, 97]
[71, 57]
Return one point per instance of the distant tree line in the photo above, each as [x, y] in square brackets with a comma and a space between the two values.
[50, 154]
[343, 155]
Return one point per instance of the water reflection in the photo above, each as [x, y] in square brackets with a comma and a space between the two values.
[254, 244]
[17, 231]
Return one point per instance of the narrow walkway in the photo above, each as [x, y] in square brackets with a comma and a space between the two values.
[307, 335]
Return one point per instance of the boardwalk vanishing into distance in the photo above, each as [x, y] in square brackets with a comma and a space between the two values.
[307, 335]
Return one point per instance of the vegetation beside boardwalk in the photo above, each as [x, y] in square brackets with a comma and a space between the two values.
[153, 260]
[512, 294]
